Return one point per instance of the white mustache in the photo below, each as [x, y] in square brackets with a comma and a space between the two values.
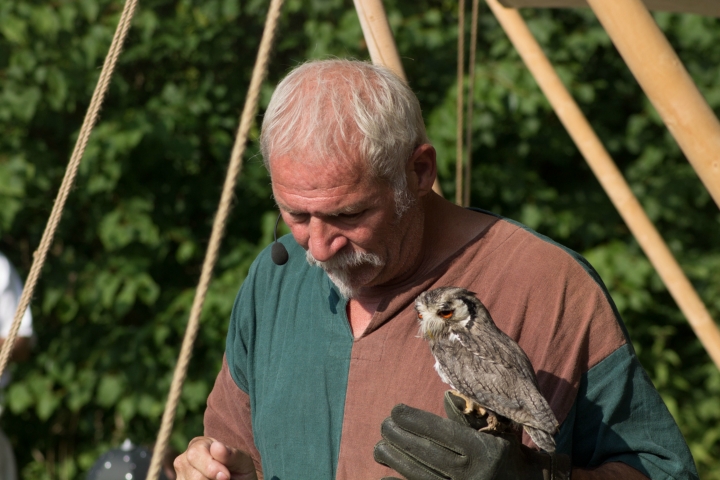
[343, 261]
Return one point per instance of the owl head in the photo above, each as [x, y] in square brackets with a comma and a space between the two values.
[443, 309]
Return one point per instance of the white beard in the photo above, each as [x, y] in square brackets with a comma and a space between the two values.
[337, 268]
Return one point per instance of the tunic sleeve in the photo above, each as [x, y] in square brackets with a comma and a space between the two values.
[227, 417]
[618, 416]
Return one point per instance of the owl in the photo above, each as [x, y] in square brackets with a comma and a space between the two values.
[485, 366]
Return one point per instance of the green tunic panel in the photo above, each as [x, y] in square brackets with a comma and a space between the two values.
[289, 348]
[618, 416]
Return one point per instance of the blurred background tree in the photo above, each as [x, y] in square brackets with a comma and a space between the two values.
[112, 304]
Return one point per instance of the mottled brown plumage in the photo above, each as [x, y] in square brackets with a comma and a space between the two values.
[482, 363]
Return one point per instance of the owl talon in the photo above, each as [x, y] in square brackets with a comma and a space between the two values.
[470, 405]
[493, 424]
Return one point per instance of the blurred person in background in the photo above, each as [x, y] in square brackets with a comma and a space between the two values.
[10, 291]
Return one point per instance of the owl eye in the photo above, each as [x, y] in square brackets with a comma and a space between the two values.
[420, 316]
[446, 313]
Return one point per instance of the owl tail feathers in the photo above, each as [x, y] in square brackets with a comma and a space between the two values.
[541, 438]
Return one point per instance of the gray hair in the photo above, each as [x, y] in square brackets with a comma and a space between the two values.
[332, 107]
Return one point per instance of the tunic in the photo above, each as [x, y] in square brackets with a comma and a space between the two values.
[306, 399]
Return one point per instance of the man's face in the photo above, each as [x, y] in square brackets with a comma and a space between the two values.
[343, 218]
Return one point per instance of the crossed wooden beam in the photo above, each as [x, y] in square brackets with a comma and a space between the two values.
[665, 81]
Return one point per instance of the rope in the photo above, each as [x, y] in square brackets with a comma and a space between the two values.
[460, 90]
[470, 101]
[70, 173]
[218, 230]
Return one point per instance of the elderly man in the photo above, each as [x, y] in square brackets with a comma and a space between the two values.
[320, 349]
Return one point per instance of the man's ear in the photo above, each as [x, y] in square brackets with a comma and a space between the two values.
[422, 169]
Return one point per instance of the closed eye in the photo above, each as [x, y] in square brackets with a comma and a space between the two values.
[352, 216]
[299, 217]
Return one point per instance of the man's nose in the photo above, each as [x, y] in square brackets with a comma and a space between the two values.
[325, 240]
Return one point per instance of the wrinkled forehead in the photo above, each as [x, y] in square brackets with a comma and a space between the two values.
[329, 189]
[314, 155]
[306, 169]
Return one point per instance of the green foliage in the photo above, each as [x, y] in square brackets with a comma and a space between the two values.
[114, 298]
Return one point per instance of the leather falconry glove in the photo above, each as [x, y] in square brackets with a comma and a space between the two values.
[422, 446]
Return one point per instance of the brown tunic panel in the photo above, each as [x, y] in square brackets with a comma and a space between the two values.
[537, 294]
[227, 416]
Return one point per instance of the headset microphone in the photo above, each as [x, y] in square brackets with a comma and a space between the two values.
[279, 253]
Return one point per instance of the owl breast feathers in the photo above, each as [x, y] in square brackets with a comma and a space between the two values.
[482, 363]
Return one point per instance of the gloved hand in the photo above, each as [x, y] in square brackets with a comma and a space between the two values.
[422, 446]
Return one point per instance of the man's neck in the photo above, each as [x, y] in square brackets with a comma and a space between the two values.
[360, 314]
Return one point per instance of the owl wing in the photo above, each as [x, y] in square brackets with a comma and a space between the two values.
[491, 368]
[473, 378]
[492, 344]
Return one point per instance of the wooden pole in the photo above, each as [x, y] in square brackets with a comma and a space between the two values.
[708, 8]
[470, 103]
[610, 178]
[459, 104]
[378, 36]
[381, 43]
[667, 84]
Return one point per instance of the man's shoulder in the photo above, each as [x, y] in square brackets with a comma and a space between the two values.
[533, 264]
[528, 249]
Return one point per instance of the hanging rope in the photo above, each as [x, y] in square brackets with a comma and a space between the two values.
[460, 91]
[70, 173]
[218, 230]
[470, 102]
